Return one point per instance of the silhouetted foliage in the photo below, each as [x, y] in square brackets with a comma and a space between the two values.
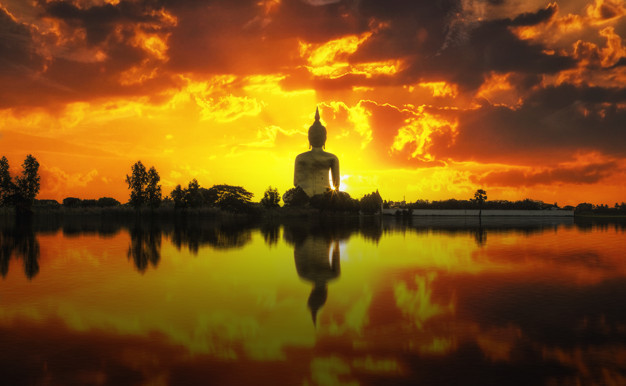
[587, 209]
[106, 202]
[7, 188]
[335, 201]
[102, 202]
[526, 204]
[371, 203]
[192, 197]
[153, 188]
[295, 197]
[89, 203]
[225, 197]
[71, 202]
[137, 181]
[178, 196]
[47, 204]
[271, 198]
[144, 186]
[230, 198]
[23, 191]
[28, 183]
[480, 196]
[584, 207]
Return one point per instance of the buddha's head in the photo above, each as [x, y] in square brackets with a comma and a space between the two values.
[317, 132]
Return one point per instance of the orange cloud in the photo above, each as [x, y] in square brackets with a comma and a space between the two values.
[602, 11]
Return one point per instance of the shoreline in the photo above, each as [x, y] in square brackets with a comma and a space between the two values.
[479, 213]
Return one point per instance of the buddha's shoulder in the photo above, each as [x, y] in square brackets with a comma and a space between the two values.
[306, 154]
[329, 155]
[315, 155]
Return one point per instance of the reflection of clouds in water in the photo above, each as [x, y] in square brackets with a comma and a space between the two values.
[329, 370]
[418, 303]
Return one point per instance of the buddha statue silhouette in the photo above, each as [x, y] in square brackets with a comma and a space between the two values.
[311, 168]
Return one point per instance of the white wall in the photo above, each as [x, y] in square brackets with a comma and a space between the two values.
[485, 212]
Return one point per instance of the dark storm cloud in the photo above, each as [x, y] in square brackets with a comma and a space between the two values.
[555, 121]
[19, 61]
[478, 50]
[433, 38]
[238, 37]
[17, 52]
[527, 19]
[72, 71]
[409, 28]
[99, 21]
[587, 174]
[316, 23]
[620, 63]
[223, 38]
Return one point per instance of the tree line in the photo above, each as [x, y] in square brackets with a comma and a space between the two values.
[145, 190]
[21, 191]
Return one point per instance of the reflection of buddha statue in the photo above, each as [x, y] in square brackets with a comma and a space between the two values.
[311, 169]
[317, 261]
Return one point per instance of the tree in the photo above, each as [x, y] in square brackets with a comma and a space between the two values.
[228, 197]
[295, 197]
[71, 202]
[7, 188]
[480, 196]
[23, 191]
[28, 183]
[137, 184]
[193, 198]
[178, 196]
[271, 198]
[334, 200]
[371, 203]
[153, 188]
[107, 202]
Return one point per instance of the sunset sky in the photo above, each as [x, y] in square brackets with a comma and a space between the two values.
[427, 99]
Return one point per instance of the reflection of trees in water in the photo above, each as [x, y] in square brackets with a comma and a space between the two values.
[145, 246]
[588, 224]
[76, 226]
[270, 232]
[227, 235]
[371, 228]
[480, 235]
[20, 242]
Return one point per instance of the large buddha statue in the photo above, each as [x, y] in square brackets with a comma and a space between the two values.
[311, 169]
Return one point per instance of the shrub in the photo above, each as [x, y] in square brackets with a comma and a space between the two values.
[371, 203]
[295, 197]
[271, 198]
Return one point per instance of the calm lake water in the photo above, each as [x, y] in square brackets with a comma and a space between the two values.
[328, 302]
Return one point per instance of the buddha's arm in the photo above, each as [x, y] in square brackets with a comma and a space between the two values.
[296, 172]
[334, 168]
